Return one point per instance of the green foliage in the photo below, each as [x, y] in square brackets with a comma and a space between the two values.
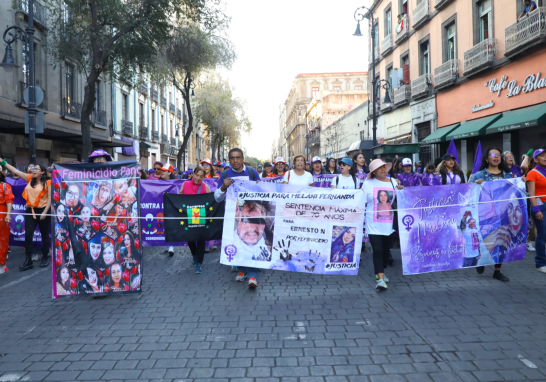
[468, 173]
[254, 162]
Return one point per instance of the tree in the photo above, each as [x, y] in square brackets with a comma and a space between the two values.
[116, 37]
[334, 138]
[195, 49]
[222, 114]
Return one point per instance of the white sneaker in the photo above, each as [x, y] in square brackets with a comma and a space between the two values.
[541, 269]
[252, 283]
[171, 251]
[36, 257]
[384, 278]
[530, 247]
[381, 285]
[240, 277]
[3, 269]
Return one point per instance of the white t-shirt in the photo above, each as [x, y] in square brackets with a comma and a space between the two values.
[344, 182]
[379, 199]
[472, 240]
[299, 180]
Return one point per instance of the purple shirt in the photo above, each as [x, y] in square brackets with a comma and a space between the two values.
[515, 171]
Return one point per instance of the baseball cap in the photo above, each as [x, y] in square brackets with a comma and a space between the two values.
[406, 162]
[151, 170]
[347, 161]
[207, 161]
[279, 160]
[259, 166]
[167, 168]
[316, 159]
[267, 164]
[448, 156]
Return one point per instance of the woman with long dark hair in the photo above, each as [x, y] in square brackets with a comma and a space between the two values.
[116, 283]
[6, 201]
[64, 280]
[129, 255]
[279, 169]
[492, 168]
[37, 193]
[360, 169]
[331, 167]
[450, 171]
[343, 246]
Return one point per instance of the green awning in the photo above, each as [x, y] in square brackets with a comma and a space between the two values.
[473, 128]
[440, 134]
[409, 148]
[520, 119]
[147, 146]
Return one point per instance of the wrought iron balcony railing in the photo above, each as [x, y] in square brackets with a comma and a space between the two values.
[155, 135]
[99, 117]
[402, 30]
[402, 95]
[386, 45]
[421, 86]
[155, 95]
[164, 139]
[40, 13]
[172, 109]
[72, 109]
[173, 141]
[143, 88]
[528, 32]
[179, 113]
[480, 56]
[421, 14]
[127, 128]
[446, 74]
[143, 132]
[21, 99]
[164, 102]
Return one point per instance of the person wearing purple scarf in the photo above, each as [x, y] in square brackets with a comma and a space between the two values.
[536, 183]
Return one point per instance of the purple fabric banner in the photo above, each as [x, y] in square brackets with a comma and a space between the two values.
[478, 158]
[151, 208]
[130, 151]
[17, 225]
[324, 180]
[462, 225]
[274, 179]
[412, 180]
[453, 151]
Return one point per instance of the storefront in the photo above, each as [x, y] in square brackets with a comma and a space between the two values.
[504, 108]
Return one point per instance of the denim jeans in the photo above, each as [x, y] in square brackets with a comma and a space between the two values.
[540, 242]
[469, 261]
[250, 272]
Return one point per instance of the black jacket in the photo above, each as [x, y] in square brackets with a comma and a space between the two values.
[444, 176]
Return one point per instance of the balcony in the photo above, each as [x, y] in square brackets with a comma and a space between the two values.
[377, 56]
[40, 14]
[166, 149]
[314, 140]
[72, 110]
[421, 14]
[155, 95]
[402, 31]
[164, 102]
[99, 117]
[386, 106]
[386, 45]
[172, 109]
[164, 139]
[173, 141]
[179, 113]
[155, 135]
[143, 132]
[421, 86]
[143, 88]
[127, 128]
[402, 95]
[441, 3]
[527, 33]
[480, 57]
[446, 74]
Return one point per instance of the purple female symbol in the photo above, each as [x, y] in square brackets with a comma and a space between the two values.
[408, 221]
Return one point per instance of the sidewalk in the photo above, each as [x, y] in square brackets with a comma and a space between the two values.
[445, 326]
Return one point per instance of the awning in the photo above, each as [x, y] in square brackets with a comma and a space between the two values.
[409, 148]
[473, 128]
[360, 145]
[519, 119]
[440, 134]
[147, 146]
[114, 142]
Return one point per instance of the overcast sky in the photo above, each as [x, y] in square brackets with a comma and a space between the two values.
[275, 41]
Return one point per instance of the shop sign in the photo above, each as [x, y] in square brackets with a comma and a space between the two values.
[482, 107]
[532, 82]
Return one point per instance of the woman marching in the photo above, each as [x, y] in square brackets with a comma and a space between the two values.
[380, 193]
[331, 167]
[37, 193]
[450, 171]
[536, 183]
[279, 169]
[360, 169]
[514, 170]
[6, 201]
[207, 166]
[298, 175]
[193, 187]
[347, 179]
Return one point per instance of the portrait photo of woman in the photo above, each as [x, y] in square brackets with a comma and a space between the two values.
[91, 283]
[116, 283]
[102, 196]
[383, 205]
[61, 229]
[343, 245]
[63, 281]
[127, 193]
[85, 229]
[108, 251]
[129, 256]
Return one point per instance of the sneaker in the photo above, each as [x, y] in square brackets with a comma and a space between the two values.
[3, 269]
[234, 269]
[171, 251]
[384, 278]
[198, 268]
[541, 269]
[36, 257]
[480, 269]
[530, 247]
[381, 285]
[240, 277]
[252, 283]
[499, 276]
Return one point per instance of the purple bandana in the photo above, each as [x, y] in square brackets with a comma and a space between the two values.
[541, 169]
[99, 153]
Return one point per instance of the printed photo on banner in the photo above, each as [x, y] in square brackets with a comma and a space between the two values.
[293, 228]
[383, 205]
[96, 230]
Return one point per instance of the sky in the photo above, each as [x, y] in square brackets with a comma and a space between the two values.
[277, 40]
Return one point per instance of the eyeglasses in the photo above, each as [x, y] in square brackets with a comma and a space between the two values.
[99, 159]
[30, 168]
[247, 220]
[72, 194]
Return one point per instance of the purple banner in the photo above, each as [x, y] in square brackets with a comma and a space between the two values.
[274, 179]
[462, 225]
[151, 209]
[413, 180]
[323, 180]
[17, 225]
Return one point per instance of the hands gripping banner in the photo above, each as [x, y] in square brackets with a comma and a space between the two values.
[463, 225]
[293, 228]
[96, 230]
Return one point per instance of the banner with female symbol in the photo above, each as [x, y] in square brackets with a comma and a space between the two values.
[462, 225]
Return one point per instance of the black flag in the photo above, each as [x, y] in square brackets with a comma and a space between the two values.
[194, 213]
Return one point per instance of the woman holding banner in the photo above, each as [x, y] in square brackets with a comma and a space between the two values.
[450, 171]
[346, 180]
[6, 201]
[536, 183]
[380, 193]
[298, 176]
[37, 193]
[280, 168]
[193, 187]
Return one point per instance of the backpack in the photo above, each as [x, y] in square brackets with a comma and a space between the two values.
[250, 172]
[354, 180]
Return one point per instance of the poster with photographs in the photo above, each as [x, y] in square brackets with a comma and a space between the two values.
[293, 228]
[96, 230]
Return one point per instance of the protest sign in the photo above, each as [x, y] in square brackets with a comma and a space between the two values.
[273, 179]
[96, 229]
[17, 225]
[462, 225]
[412, 180]
[201, 208]
[151, 208]
[323, 180]
[293, 228]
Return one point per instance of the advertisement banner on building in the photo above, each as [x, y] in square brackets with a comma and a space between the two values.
[462, 225]
[96, 229]
[293, 228]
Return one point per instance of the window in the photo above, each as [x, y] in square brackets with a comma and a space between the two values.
[337, 88]
[424, 58]
[315, 92]
[170, 97]
[124, 106]
[141, 114]
[359, 87]
[171, 130]
[162, 125]
[98, 95]
[403, 7]
[377, 88]
[69, 76]
[153, 119]
[389, 78]
[486, 20]
[388, 21]
[26, 62]
[404, 64]
[376, 35]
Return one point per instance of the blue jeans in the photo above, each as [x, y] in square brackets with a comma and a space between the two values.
[540, 243]
[470, 261]
[250, 272]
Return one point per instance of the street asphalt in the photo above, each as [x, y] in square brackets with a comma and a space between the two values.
[444, 326]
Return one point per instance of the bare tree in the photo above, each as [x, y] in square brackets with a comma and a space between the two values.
[334, 138]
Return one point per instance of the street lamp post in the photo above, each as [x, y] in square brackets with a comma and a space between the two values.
[361, 14]
[26, 36]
